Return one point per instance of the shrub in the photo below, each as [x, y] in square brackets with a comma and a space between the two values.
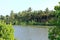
[6, 31]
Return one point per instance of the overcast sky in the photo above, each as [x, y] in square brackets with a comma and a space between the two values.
[19, 5]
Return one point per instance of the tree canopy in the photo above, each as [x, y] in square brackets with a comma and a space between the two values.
[54, 32]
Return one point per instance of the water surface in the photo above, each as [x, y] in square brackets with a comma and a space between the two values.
[30, 33]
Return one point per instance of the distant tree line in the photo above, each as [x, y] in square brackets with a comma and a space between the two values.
[29, 17]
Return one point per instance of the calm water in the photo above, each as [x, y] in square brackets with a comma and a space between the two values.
[30, 33]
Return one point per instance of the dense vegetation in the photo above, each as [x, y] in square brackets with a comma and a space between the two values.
[54, 32]
[29, 17]
[6, 31]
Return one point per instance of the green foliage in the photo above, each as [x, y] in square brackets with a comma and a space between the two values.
[28, 17]
[6, 31]
[54, 32]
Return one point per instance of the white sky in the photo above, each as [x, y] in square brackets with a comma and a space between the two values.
[19, 5]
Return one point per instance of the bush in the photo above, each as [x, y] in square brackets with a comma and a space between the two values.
[6, 31]
[54, 33]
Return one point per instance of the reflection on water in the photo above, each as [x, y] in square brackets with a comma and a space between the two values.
[30, 33]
